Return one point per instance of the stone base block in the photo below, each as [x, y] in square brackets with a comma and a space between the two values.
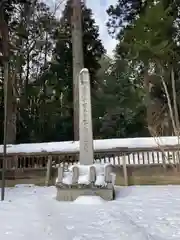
[71, 194]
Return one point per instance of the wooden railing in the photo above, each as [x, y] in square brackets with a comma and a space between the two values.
[127, 158]
[116, 156]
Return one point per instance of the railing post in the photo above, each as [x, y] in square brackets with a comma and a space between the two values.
[125, 171]
[49, 171]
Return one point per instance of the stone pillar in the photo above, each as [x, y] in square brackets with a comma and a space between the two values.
[85, 119]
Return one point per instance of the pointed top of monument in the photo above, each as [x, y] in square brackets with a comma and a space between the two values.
[84, 70]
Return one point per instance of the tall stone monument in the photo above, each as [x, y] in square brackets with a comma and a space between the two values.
[85, 178]
[85, 119]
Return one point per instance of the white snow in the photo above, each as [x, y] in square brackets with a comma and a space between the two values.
[67, 179]
[72, 146]
[89, 200]
[84, 179]
[100, 180]
[138, 213]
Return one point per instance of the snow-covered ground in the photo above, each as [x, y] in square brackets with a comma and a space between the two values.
[138, 213]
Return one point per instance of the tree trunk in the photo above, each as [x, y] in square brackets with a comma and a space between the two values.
[147, 99]
[175, 102]
[11, 106]
[11, 114]
[78, 63]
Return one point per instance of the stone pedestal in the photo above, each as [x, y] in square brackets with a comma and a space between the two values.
[85, 180]
[71, 194]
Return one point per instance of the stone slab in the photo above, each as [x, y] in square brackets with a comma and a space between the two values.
[71, 194]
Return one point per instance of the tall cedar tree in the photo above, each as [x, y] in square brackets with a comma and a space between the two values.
[61, 70]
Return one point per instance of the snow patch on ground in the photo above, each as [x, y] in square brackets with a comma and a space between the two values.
[138, 213]
[24, 185]
[89, 200]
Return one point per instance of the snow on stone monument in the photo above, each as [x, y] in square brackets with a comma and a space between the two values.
[85, 178]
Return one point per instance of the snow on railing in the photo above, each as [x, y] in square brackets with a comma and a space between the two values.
[99, 145]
